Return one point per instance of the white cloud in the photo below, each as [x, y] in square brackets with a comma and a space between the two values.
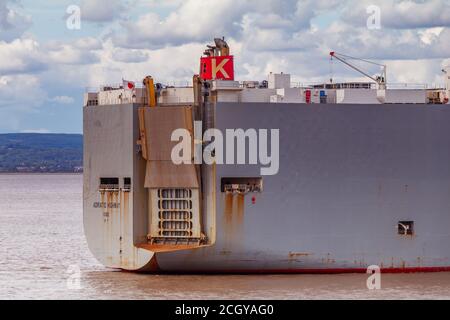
[88, 43]
[192, 21]
[40, 130]
[384, 44]
[101, 10]
[129, 55]
[200, 21]
[264, 36]
[20, 56]
[21, 91]
[414, 71]
[401, 14]
[166, 39]
[164, 64]
[62, 99]
[64, 53]
[428, 36]
[26, 55]
[12, 23]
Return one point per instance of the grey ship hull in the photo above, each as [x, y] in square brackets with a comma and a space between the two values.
[348, 174]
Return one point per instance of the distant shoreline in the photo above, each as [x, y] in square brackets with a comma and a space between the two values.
[39, 173]
[30, 153]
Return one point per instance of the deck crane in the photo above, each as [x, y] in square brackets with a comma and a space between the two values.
[380, 80]
[150, 91]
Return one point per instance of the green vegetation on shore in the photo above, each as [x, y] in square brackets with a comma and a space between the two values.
[36, 152]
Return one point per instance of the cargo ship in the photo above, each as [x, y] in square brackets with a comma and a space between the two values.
[320, 178]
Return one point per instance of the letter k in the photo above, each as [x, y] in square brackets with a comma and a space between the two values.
[218, 68]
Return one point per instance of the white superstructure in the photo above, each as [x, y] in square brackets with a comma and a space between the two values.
[277, 89]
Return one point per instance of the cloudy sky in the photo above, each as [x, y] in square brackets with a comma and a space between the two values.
[46, 66]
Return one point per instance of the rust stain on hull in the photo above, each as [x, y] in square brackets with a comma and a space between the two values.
[167, 247]
[233, 217]
[240, 209]
[299, 254]
[124, 227]
[228, 208]
[234, 208]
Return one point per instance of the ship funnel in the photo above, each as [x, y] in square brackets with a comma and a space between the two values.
[222, 45]
[217, 63]
[220, 48]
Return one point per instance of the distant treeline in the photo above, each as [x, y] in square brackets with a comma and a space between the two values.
[36, 152]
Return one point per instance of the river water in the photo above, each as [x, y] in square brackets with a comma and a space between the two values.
[42, 248]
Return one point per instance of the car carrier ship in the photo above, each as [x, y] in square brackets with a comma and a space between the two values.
[363, 175]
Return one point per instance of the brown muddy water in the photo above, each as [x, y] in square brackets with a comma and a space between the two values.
[42, 243]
